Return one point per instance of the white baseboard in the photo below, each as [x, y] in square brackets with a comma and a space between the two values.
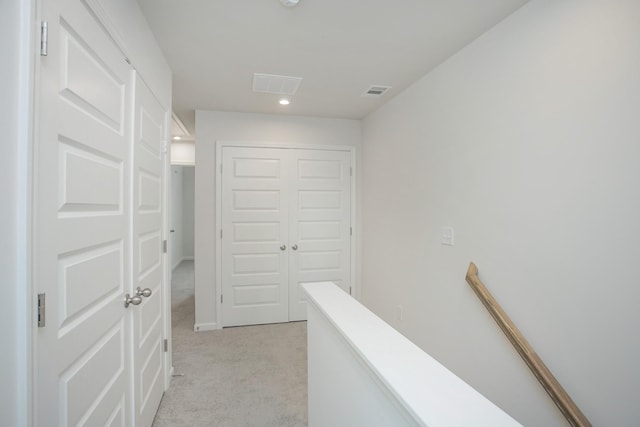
[201, 327]
[184, 258]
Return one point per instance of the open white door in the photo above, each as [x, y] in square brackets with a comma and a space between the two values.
[147, 248]
[82, 221]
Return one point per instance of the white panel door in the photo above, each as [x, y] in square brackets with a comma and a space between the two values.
[254, 242]
[147, 259]
[286, 217]
[82, 223]
[319, 223]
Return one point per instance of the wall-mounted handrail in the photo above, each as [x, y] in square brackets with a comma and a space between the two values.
[551, 385]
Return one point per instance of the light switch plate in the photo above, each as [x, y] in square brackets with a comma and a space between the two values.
[447, 236]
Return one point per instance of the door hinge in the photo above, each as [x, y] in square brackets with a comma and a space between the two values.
[221, 233]
[164, 246]
[166, 345]
[220, 168]
[350, 171]
[221, 298]
[350, 231]
[42, 310]
[44, 38]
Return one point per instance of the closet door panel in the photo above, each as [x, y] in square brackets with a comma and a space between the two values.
[319, 223]
[255, 236]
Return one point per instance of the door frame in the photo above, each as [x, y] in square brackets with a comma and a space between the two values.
[220, 145]
[28, 198]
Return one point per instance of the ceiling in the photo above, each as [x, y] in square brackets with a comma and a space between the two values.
[339, 48]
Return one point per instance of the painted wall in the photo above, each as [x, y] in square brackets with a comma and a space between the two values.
[177, 208]
[182, 213]
[212, 126]
[188, 206]
[15, 112]
[527, 143]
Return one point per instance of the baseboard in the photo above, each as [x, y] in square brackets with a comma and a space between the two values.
[184, 258]
[201, 327]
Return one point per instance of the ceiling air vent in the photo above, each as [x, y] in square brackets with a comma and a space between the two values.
[376, 91]
[279, 85]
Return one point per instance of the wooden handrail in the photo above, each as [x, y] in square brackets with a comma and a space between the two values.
[551, 385]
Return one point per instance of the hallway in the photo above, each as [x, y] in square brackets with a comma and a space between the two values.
[244, 376]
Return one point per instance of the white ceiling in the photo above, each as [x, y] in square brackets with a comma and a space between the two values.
[339, 47]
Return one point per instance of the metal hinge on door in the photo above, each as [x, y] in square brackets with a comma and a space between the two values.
[164, 246]
[44, 38]
[221, 298]
[42, 310]
[166, 345]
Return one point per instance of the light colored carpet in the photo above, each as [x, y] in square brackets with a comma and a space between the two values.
[236, 377]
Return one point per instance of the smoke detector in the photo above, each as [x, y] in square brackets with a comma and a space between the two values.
[289, 3]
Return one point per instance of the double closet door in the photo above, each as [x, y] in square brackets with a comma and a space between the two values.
[286, 221]
[99, 181]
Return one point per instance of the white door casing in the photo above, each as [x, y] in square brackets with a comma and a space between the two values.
[82, 223]
[285, 220]
[147, 248]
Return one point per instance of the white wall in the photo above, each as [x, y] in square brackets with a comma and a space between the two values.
[188, 209]
[182, 212]
[15, 112]
[527, 142]
[177, 209]
[212, 126]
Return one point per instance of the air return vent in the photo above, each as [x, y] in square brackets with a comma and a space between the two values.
[279, 85]
[376, 91]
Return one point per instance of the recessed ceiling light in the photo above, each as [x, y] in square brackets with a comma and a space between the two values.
[177, 138]
[284, 101]
[289, 3]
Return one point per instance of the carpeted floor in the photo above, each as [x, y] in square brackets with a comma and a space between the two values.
[236, 377]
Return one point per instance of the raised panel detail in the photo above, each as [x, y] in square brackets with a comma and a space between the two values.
[86, 278]
[256, 168]
[148, 314]
[319, 261]
[149, 192]
[150, 372]
[256, 263]
[319, 169]
[319, 230]
[267, 200]
[86, 382]
[308, 200]
[256, 295]
[88, 84]
[88, 182]
[150, 133]
[149, 252]
[250, 232]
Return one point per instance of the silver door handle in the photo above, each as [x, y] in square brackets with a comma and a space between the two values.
[294, 247]
[135, 300]
[146, 292]
[283, 247]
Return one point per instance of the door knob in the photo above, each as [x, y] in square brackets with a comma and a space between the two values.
[135, 300]
[283, 247]
[146, 292]
[294, 247]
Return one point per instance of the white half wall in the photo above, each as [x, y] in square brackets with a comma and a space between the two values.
[527, 143]
[212, 126]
